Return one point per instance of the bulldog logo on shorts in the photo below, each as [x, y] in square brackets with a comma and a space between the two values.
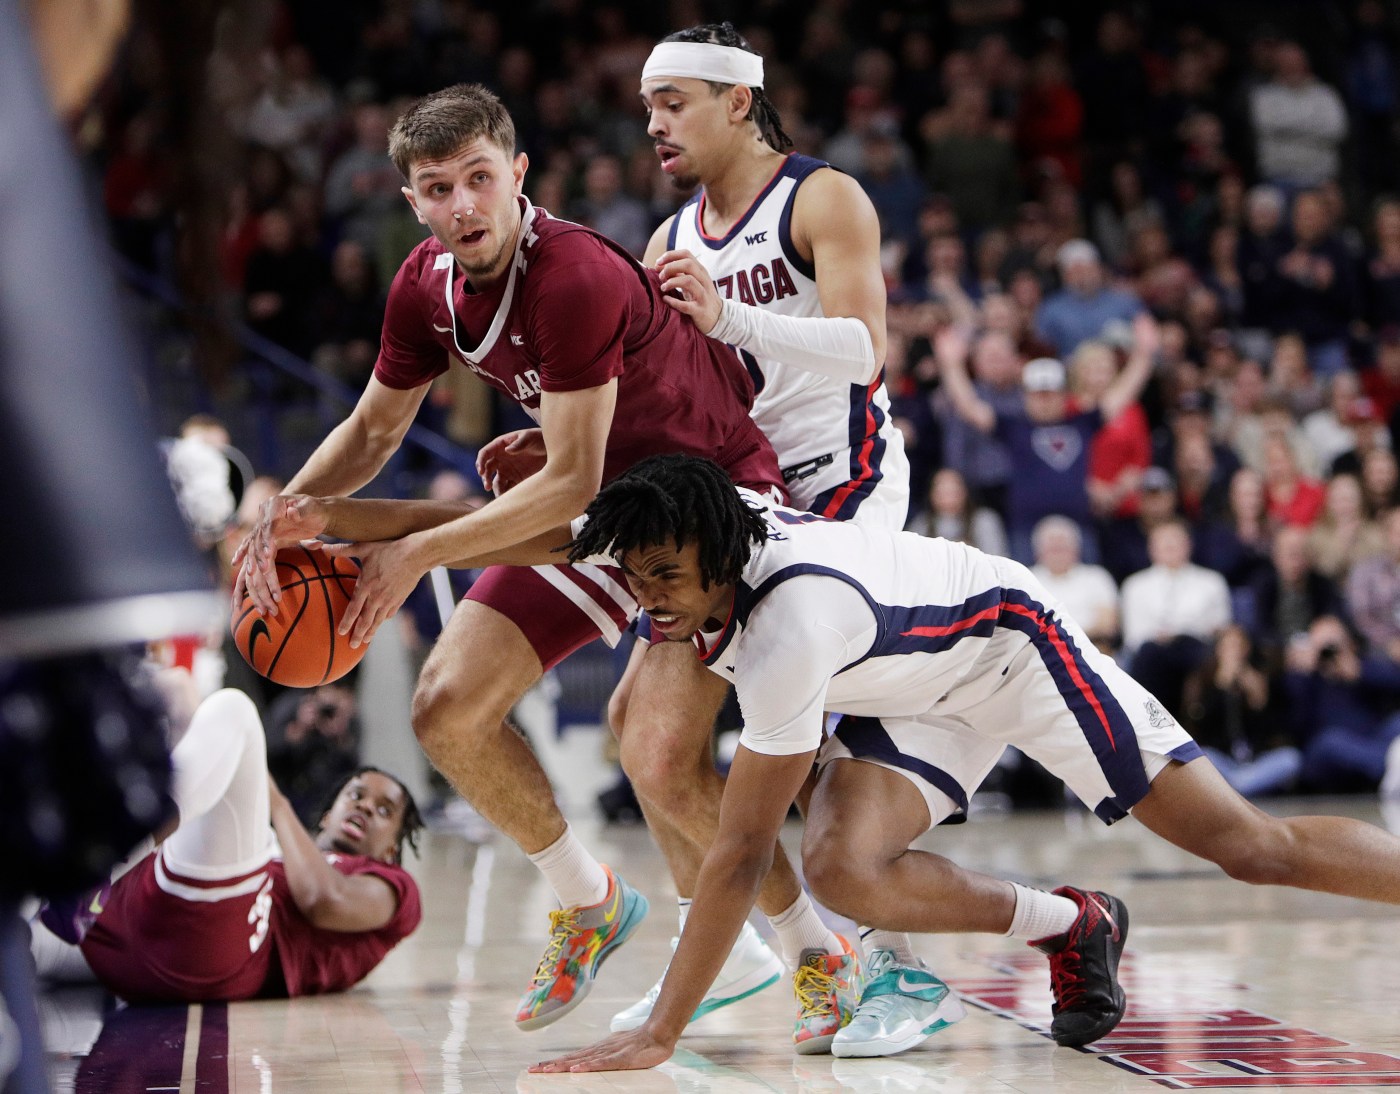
[1157, 717]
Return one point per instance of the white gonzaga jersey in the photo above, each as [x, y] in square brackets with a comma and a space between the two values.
[835, 441]
[937, 656]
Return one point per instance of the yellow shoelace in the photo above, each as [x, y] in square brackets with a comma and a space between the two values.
[563, 922]
[814, 990]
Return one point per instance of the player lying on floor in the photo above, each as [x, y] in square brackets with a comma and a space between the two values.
[223, 910]
[939, 656]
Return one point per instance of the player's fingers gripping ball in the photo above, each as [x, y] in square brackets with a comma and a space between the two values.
[299, 647]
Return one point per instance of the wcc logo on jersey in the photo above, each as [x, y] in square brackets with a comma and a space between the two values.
[766, 282]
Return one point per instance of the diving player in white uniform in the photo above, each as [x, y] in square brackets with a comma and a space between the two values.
[938, 656]
[757, 259]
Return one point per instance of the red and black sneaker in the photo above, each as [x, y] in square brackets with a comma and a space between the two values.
[1089, 1001]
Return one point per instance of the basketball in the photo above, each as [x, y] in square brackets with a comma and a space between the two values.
[299, 647]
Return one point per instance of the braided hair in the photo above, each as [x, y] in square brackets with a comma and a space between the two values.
[762, 113]
[410, 824]
[679, 499]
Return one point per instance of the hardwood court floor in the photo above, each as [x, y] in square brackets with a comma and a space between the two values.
[1230, 987]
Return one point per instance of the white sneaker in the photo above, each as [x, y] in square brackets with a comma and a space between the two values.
[750, 967]
[1390, 784]
[901, 1006]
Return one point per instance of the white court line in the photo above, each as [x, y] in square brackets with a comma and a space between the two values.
[191, 1062]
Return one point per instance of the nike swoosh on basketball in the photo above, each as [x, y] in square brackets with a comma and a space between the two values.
[256, 631]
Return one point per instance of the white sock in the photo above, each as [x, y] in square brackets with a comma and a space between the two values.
[1040, 914]
[800, 928]
[576, 877]
[900, 944]
[683, 906]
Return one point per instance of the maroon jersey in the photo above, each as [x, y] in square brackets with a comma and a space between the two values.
[574, 312]
[314, 961]
[167, 937]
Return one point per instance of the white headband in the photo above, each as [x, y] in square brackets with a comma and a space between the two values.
[705, 61]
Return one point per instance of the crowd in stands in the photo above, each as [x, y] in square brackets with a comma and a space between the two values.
[1143, 269]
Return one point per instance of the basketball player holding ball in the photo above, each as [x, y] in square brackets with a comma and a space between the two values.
[563, 321]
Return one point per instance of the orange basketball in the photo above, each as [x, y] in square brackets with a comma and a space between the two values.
[299, 647]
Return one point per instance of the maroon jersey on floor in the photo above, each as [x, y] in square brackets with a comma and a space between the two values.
[574, 312]
[168, 937]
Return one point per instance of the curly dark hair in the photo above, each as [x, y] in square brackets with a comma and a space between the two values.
[676, 499]
[763, 113]
[410, 825]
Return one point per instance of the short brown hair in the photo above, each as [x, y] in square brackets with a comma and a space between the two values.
[437, 125]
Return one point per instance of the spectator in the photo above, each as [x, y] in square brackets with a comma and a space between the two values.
[609, 209]
[1329, 430]
[1343, 534]
[952, 513]
[1233, 710]
[1289, 593]
[1002, 313]
[865, 111]
[1382, 382]
[363, 186]
[1291, 378]
[347, 314]
[1172, 613]
[281, 276]
[1383, 267]
[1222, 275]
[1344, 704]
[1292, 497]
[1299, 123]
[1318, 286]
[1373, 592]
[1262, 244]
[1081, 309]
[1050, 121]
[947, 281]
[1372, 82]
[293, 111]
[1087, 593]
[971, 160]
[1113, 81]
[1380, 481]
[1236, 544]
[1201, 479]
[1047, 438]
[1117, 217]
[1122, 449]
[1369, 433]
[984, 459]
[312, 742]
[1163, 279]
[1124, 542]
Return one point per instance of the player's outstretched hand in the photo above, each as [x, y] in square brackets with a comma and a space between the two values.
[282, 521]
[689, 289]
[629, 1051]
[510, 459]
[388, 572]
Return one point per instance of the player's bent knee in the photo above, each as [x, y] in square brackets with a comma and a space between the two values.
[1260, 856]
[837, 878]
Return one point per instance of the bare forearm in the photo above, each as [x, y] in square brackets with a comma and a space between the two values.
[725, 893]
[346, 460]
[540, 506]
[309, 876]
[365, 520]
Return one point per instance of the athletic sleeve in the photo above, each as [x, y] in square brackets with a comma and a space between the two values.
[409, 355]
[801, 635]
[578, 315]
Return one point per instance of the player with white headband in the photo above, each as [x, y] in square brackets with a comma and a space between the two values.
[757, 259]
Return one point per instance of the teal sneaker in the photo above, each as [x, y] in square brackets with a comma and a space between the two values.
[901, 1006]
[580, 940]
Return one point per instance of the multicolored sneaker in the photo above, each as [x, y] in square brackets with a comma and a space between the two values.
[70, 917]
[580, 939]
[827, 986]
[750, 967]
[901, 1006]
[1089, 1001]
